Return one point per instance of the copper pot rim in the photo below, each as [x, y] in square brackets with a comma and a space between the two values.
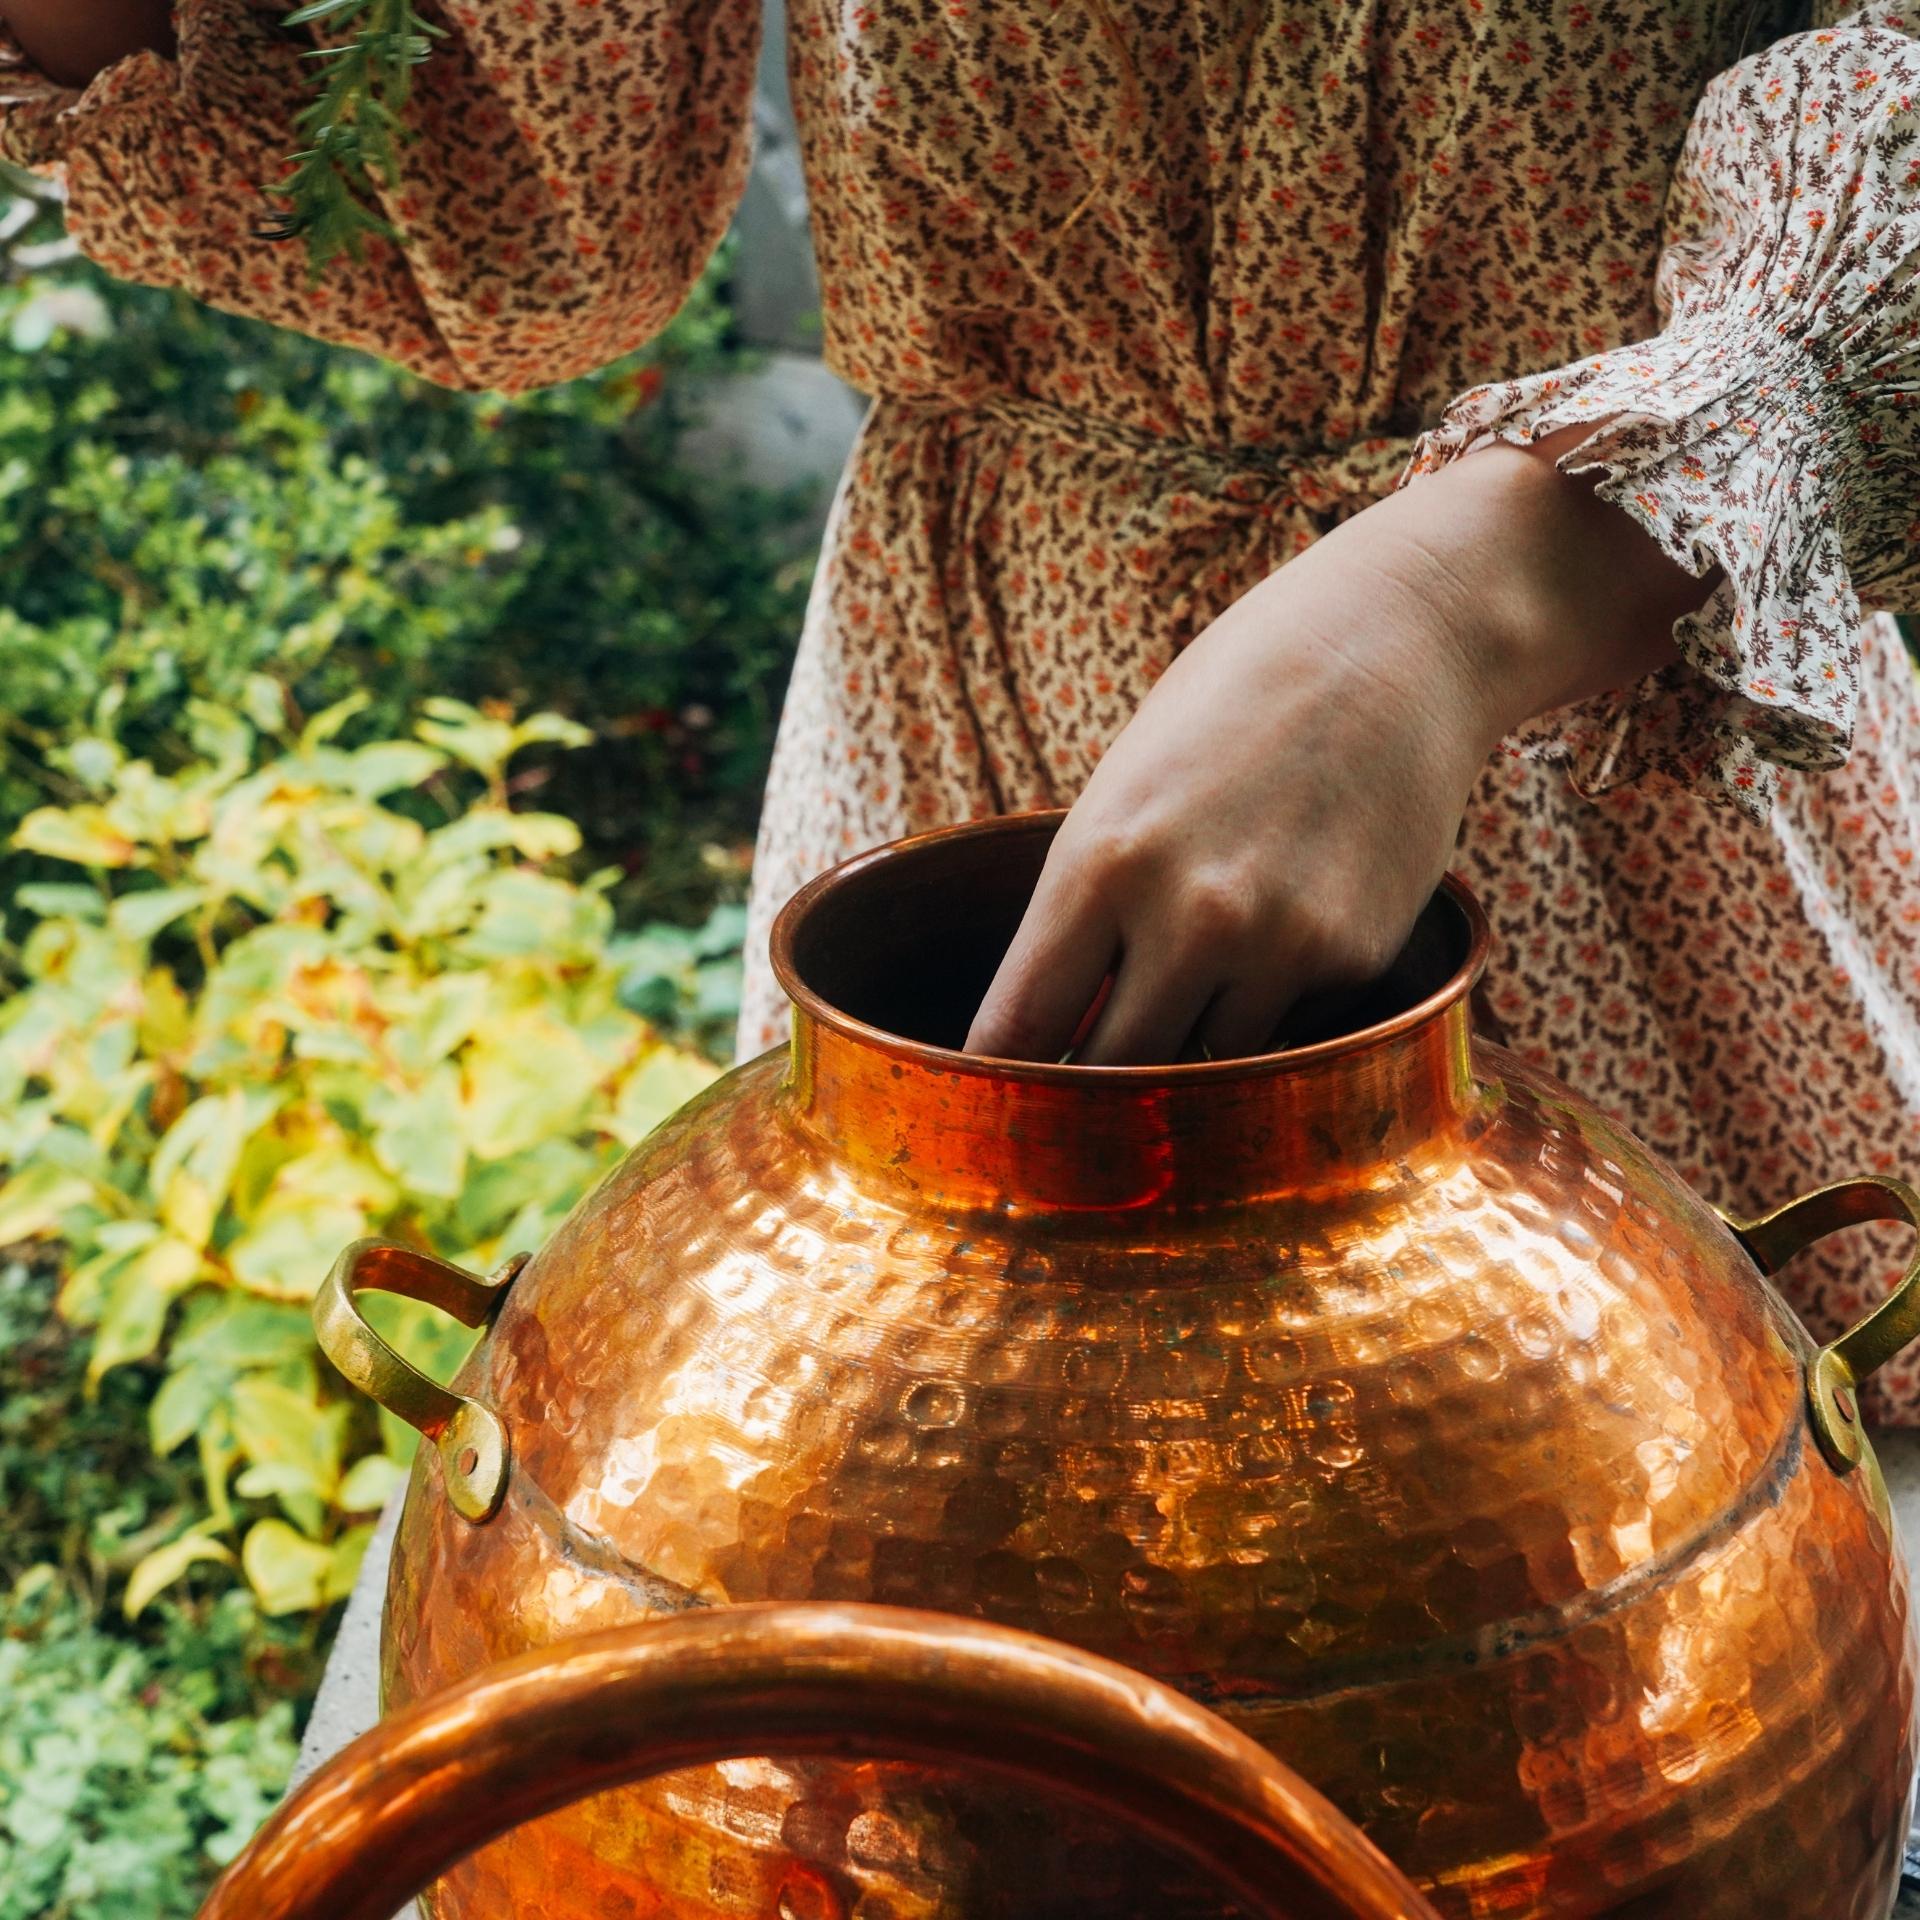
[924, 1054]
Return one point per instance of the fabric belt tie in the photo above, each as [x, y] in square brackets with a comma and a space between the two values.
[1325, 484]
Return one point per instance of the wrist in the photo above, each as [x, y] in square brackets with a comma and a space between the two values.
[1570, 596]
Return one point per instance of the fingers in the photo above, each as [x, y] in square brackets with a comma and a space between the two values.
[1190, 941]
[1044, 988]
[1157, 955]
[1150, 1012]
[1127, 968]
[1242, 1019]
[1092, 1014]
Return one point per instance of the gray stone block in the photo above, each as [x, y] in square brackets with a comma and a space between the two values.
[776, 288]
[787, 423]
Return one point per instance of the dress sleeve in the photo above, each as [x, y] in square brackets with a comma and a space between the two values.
[572, 168]
[1771, 429]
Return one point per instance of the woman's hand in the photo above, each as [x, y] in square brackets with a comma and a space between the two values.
[72, 40]
[1284, 802]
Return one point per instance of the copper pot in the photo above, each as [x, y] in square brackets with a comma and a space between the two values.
[1378, 1393]
[423, 1789]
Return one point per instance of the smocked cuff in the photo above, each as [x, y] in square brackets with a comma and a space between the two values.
[1727, 440]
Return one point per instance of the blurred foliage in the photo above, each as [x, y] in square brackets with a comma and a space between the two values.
[686, 980]
[289, 957]
[133, 1760]
[128, 1772]
[280, 1013]
[199, 507]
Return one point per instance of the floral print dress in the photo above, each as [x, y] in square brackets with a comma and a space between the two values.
[1150, 293]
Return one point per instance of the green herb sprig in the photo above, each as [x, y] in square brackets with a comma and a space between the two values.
[352, 128]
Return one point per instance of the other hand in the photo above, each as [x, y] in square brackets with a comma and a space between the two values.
[71, 41]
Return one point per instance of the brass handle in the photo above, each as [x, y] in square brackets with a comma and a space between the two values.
[472, 1440]
[1837, 1370]
[428, 1787]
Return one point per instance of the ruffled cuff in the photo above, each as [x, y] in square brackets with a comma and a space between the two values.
[1771, 430]
[1730, 449]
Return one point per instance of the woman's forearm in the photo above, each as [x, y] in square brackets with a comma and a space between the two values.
[72, 40]
[1557, 593]
[1606, 579]
[1273, 818]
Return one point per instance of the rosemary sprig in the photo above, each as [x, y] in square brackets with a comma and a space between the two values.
[352, 128]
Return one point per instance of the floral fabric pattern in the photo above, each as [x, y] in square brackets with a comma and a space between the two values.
[1149, 296]
[573, 169]
[1766, 429]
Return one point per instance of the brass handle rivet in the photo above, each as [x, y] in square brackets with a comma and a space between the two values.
[475, 1452]
[1835, 1370]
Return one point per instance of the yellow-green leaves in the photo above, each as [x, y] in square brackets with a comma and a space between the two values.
[222, 1337]
[159, 1569]
[528, 1076]
[291, 1444]
[139, 916]
[136, 1293]
[523, 914]
[38, 1199]
[485, 743]
[387, 766]
[371, 1483]
[310, 1207]
[292, 1574]
[192, 1169]
[80, 834]
[291, 1007]
[417, 1135]
[661, 1084]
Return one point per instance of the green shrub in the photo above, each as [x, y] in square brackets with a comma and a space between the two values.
[198, 507]
[279, 1013]
[686, 980]
[79, 1485]
[133, 1757]
[128, 1773]
[283, 966]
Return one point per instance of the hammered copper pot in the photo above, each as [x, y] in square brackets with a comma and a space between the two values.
[426, 1787]
[1377, 1393]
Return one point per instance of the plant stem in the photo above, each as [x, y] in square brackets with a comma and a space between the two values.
[352, 126]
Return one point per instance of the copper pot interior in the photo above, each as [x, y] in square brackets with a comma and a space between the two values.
[910, 945]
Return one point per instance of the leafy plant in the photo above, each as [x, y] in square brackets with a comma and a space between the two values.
[353, 123]
[686, 980]
[197, 507]
[261, 943]
[128, 1771]
[308, 991]
[80, 1488]
[132, 1755]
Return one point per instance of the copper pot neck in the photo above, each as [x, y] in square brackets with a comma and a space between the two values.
[1322, 1128]
[1342, 1114]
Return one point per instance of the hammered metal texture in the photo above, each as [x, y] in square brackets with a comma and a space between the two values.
[525, 1737]
[1396, 1405]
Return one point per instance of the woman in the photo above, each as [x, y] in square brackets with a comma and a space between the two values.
[1160, 304]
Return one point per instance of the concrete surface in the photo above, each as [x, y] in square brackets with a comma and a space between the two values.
[349, 1695]
[775, 291]
[786, 423]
